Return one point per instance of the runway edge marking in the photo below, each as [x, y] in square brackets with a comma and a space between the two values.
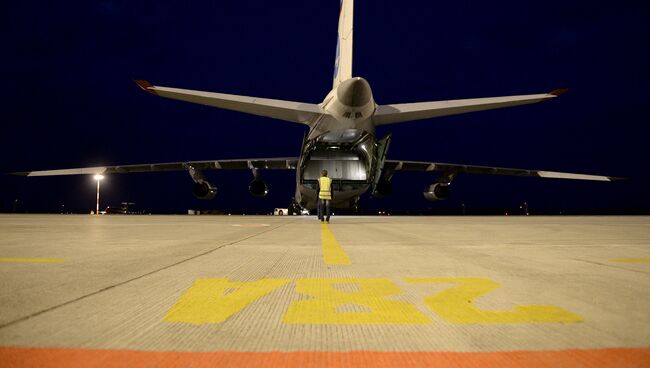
[77, 357]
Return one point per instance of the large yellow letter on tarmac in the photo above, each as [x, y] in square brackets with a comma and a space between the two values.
[368, 303]
[455, 304]
[216, 300]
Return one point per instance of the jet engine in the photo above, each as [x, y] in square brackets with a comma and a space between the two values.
[258, 188]
[204, 190]
[436, 192]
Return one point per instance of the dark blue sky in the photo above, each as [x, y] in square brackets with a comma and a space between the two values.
[69, 100]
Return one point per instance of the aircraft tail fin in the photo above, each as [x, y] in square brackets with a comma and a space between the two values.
[343, 62]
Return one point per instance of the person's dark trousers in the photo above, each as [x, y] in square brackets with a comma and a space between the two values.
[324, 209]
[319, 208]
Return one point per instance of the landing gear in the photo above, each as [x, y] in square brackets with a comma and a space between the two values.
[295, 209]
[354, 204]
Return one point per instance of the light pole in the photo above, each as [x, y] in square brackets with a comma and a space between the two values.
[99, 178]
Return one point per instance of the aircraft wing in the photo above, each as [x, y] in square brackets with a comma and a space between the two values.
[393, 165]
[261, 163]
[398, 113]
[296, 112]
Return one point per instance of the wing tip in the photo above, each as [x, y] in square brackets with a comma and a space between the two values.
[617, 178]
[574, 176]
[21, 173]
[558, 92]
[145, 86]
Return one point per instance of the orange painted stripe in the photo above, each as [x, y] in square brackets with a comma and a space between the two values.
[52, 357]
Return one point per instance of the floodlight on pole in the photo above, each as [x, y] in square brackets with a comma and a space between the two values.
[99, 178]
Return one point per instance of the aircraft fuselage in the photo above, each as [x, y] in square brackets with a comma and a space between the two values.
[342, 142]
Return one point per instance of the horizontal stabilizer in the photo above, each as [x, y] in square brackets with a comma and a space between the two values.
[296, 112]
[398, 113]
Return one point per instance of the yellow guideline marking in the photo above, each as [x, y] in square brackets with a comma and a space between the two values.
[32, 260]
[333, 254]
[456, 304]
[208, 300]
[250, 225]
[324, 307]
[631, 260]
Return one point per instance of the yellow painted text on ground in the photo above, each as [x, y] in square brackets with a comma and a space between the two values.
[456, 304]
[357, 301]
[216, 300]
[368, 303]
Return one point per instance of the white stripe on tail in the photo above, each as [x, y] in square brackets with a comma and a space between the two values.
[343, 63]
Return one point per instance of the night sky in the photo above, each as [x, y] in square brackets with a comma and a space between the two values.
[68, 97]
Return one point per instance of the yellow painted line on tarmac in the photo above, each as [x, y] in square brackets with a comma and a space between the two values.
[250, 225]
[333, 253]
[31, 260]
[631, 260]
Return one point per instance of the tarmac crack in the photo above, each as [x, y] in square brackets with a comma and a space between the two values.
[612, 266]
[49, 309]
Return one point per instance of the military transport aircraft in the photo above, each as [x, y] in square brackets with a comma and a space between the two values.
[341, 137]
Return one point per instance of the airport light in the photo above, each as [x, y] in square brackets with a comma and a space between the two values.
[99, 178]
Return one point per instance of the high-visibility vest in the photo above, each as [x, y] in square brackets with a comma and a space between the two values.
[325, 187]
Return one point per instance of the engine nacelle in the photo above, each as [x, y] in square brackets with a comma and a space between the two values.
[204, 190]
[436, 192]
[384, 188]
[258, 188]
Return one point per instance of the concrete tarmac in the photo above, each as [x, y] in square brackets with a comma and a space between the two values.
[172, 291]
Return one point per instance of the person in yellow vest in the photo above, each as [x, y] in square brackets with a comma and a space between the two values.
[324, 197]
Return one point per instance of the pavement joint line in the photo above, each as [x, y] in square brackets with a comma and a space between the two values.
[611, 265]
[49, 309]
[31, 260]
[631, 260]
[274, 266]
[333, 253]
